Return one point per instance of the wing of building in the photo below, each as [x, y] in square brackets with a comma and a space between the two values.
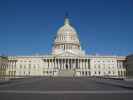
[3, 66]
[67, 59]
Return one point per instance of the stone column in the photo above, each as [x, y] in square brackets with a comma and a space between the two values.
[57, 62]
[70, 63]
[65, 64]
[88, 63]
[12, 66]
[53, 66]
[74, 63]
[80, 63]
[81, 67]
[51, 62]
[15, 69]
[61, 63]
[84, 63]
[48, 63]
[54, 63]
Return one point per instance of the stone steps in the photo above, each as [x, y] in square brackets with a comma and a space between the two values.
[67, 73]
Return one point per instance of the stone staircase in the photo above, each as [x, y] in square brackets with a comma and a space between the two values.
[66, 73]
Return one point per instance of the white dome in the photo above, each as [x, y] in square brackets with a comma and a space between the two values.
[67, 40]
[66, 29]
[67, 33]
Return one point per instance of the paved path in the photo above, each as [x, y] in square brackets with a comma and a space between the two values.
[60, 88]
[66, 92]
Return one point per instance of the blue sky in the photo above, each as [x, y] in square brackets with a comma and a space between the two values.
[28, 27]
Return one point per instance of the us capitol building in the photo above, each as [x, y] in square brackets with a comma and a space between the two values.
[67, 59]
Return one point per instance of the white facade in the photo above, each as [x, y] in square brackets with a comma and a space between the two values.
[67, 59]
[3, 66]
